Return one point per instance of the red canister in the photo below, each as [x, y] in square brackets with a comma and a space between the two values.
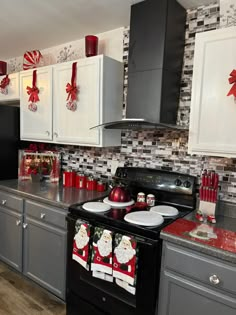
[80, 180]
[91, 183]
[101, 186]
[69, 178]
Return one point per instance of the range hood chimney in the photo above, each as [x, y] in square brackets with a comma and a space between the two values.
[156, 47]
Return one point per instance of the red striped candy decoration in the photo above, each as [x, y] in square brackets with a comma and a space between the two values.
[31, 59]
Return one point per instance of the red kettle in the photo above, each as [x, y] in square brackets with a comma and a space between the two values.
[119, 194]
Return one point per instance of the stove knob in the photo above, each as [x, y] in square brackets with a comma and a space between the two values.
[178, 182]
[124, 175]
[187, 184]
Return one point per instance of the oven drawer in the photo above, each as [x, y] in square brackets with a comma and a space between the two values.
[200, 267]
[108, 295]
[45, 214]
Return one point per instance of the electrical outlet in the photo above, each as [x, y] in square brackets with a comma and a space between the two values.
[114, 165]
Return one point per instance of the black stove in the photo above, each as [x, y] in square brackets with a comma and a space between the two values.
[169, 188]
[95, 296]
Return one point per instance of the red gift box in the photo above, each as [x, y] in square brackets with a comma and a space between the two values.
[3, 68]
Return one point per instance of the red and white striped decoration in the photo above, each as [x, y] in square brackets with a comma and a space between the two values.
[31, 59]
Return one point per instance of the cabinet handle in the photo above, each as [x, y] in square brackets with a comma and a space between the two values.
[55, 134]
[18, 222]
[4, 202]
[42, 216]
[47, 132]
[214, 279]
[25, 225]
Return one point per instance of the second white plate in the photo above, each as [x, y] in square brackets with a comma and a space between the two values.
[166, 211]
[144, 218]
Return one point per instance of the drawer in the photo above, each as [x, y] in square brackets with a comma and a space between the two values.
[201, 267]
[45, 214]
[11, 201]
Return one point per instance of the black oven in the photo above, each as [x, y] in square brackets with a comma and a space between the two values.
[87, 295]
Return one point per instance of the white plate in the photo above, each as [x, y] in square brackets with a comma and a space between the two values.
[166, 211]
[145, 218]
[118, 205]
[96, 206]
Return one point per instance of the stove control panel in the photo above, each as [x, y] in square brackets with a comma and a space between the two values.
[157, 179]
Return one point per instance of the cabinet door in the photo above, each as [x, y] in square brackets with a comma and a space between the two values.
[213, 113]
[13, 92]
[179, 296]
[73, 127]
[36, 125]
[11, 238]
[44, 258]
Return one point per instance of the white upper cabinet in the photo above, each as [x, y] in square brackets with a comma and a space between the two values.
[36, 125]
[99, 100]
[13, 90]
[99, 81]
[213, 113]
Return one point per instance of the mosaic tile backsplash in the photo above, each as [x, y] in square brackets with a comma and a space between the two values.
[162, 149]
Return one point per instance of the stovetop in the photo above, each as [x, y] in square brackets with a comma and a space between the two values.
[169, 188]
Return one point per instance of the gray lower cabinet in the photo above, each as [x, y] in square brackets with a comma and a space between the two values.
[44, 246]
[44, 258]
[194, 283]
[33, 240]
[11, 238]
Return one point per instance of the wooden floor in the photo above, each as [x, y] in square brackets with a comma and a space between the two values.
[20, 296]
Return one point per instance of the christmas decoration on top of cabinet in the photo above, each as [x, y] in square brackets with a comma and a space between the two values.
[72, 90]
[31, 59]
[232, 80]
[33, 93]
[4, 85]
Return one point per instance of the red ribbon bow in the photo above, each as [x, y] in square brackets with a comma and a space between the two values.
[5, 82]
[232, 79]
[71, 89]
[34, 91]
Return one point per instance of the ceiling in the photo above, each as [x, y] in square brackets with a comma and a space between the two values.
[34, 24]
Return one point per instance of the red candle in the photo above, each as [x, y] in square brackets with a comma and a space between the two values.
[91, 45]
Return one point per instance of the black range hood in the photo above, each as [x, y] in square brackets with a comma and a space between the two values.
[156, 47]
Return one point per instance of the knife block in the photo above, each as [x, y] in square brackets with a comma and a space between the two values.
[207, 208]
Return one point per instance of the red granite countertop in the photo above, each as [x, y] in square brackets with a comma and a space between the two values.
[202, 233]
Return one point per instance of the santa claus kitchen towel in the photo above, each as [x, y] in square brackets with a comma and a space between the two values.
[81, 243]
[125, 262]
[101, 262]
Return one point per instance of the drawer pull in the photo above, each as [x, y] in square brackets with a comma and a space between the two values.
[4, 202]
[25, 225]
[47, 132]
[18, 222]
[214, 279]
[42, 216]
[55, 134]
[104, 299]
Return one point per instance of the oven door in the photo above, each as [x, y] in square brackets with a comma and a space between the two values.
[88, 294]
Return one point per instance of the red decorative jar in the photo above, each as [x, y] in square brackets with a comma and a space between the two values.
[3, 68]
[91, 45]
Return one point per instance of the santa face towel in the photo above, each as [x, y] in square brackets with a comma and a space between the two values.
[125, 262]
[101, 263]
[81, 243]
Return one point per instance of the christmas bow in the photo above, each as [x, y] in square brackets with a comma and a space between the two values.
[72, 91]
[71, 88]
[232, 79]
[5, 82]
[34, 91]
